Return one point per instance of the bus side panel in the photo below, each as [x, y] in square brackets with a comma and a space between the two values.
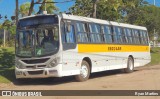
[71, 62]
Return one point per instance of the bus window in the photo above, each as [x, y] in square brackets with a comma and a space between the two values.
[137, 37]
[142, 39]
[118, 35]
[133, 35]
[82, 32]
[145, 37]
[106, 30]
[129, 35]
[70, 36]
[114, 35]
[126, 35]
[95, 33]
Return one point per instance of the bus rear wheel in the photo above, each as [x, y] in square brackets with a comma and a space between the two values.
[130, 65]
[84, 72]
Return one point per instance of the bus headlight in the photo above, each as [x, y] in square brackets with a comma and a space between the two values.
[54, 62]
[19, 65]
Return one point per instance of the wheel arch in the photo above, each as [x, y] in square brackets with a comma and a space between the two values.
[87, 59]
[131, 57]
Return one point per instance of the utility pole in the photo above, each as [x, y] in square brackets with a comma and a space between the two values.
[31, 8]
[154, 41]
[95, 8]
[4, 38]
[154, 2]
[17, 10]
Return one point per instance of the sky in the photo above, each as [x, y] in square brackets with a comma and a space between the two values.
[7, 7]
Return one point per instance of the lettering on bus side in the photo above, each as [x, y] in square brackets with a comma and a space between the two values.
[114, 48]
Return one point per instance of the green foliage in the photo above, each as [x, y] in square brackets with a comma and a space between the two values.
[12, 30]
[106, 9]
[82, 8]
[137, 12]
[155, 54]
[24, 9]
[1, 41]
[7, 25]
[109, 9]
[145, 15]
[50, 7]
[7, 65]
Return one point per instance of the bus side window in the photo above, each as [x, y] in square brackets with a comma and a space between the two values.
[118, 34]
[133, 35]
[129, 34]
[142, 37]
[70, 35]
[106, 30]
[125, 35]
[95, 33]
[137, 38]
[82, 36]
[115, 34]
[112, 34]
[145, 37]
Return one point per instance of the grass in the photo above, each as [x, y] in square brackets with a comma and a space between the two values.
[155, 56]
[7, 57]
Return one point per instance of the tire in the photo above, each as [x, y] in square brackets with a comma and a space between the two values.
[130, 65]
[84, 72]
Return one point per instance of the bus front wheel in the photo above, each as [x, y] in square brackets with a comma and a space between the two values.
[130, 65]
[84, 72]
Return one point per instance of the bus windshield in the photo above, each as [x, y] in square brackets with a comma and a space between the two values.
[37, 42]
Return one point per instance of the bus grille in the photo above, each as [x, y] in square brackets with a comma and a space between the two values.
[35, 61]
[36, 67]
[35, 72]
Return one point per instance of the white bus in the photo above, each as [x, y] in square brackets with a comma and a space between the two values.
[65, 45]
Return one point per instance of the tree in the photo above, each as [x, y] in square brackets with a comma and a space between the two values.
[24, 9]
[145, 15]
[109, 9]
[27, 8]
[50, 7]
[31, 8]
[7, 26]
[106, 9]
[82, 8]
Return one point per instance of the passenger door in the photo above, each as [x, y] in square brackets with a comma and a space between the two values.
[69, 47]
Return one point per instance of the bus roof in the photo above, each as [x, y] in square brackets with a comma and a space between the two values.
[34, 16]
[93, 20]
[99, 21]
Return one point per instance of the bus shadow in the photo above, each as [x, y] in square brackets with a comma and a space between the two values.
[63, 80]
[106, 73]
[44, 81]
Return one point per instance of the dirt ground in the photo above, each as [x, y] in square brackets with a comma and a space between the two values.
[143, 78]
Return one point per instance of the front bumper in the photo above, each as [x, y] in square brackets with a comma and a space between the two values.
[37, 73]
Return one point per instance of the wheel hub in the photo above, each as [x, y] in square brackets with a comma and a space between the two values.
[84, 71]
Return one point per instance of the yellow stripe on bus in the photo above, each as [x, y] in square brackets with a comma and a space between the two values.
[112, 48]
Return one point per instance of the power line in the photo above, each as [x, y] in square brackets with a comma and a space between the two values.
[66, 1]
